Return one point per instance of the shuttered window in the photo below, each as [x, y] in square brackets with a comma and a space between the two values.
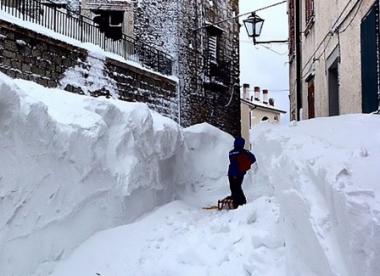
[309, 10]
[291, 27]
[213, 47]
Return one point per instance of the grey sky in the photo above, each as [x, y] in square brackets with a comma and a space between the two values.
[260, 66]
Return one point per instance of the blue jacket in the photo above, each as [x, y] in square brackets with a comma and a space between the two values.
[233, 169]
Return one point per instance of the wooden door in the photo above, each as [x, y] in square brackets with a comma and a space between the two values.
[310, 99]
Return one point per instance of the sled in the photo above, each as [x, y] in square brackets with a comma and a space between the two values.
[225, 203]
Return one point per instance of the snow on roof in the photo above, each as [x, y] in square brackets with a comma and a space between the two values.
[210, 24]
[262, 105]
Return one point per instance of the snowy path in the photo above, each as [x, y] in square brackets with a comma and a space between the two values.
[181, 239]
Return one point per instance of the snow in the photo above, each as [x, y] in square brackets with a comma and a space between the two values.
[94, 50]
[328, 192]
[96, 80]
[95, 186]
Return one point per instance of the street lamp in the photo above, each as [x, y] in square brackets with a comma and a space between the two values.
[254, 24]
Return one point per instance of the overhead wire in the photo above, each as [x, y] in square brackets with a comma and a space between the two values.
[263, 8]
[352, 18]
[272, 90]
[280, 54]
[329, 33]
[315, 59]
[239, 15]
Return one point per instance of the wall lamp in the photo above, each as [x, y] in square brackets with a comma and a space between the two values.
[254, 24]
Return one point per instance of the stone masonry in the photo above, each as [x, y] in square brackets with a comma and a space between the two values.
[171, 26]
[31, 56]
[176, 27]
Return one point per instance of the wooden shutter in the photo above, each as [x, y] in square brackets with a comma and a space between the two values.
[309, 10]
[291, 18]
[213, 47]
[369, 40]
[310, 99]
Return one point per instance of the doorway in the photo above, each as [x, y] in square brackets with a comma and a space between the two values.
[369, 34]
[310, 98]
[333, 88]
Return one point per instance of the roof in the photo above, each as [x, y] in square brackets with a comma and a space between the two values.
[257, 104]
[212, 25]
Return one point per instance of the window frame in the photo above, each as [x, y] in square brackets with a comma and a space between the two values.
[311, 97]
[291, 21]
[213, 46]
[309, 15]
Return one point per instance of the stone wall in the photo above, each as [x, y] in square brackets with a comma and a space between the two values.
[28, 55]
[170, 25]
[52, 63]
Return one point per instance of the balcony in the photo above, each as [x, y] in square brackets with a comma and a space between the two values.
[217, 73]
[56, 17]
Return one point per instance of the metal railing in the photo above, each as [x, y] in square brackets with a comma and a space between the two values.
[217, 70]
[74, 25]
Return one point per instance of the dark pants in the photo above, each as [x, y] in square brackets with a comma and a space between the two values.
[237, 193]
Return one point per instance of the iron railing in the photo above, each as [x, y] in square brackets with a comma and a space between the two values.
[74, 25]
[217, 71]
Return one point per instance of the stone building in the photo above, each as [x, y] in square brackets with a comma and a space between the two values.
[339, 57]
[196, 41]
[206, 55]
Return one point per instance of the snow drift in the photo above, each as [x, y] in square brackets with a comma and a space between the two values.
[73, 165]
[73, 168]
[324, 174]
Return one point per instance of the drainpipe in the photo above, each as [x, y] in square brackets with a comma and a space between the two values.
[250, 115]
[179, 86]
[298, 34]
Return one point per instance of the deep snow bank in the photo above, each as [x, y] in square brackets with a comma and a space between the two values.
[207, 162]
[325, 175]
[73, 165]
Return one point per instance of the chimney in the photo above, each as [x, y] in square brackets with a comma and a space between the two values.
[245, 91]
[265, 96]
[271, 101]
[257, 93]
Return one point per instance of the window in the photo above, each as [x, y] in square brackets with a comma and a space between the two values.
[291, 27]
[213, 48]
[309, 11]
[310, 97]
[109, 22]
[215, 67]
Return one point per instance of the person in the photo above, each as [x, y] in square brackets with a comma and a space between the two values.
[237, 170]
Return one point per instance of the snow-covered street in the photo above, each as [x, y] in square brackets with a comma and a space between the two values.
[180, 239]
[93, 186]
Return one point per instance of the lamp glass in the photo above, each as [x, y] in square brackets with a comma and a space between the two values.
[249, 24]
[258, 27]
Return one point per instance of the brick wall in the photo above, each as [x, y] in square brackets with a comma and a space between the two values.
[31, 56]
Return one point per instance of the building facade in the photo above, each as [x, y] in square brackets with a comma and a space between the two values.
[337, 43]
[203, 39]
[255, 108]
[192, 42]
